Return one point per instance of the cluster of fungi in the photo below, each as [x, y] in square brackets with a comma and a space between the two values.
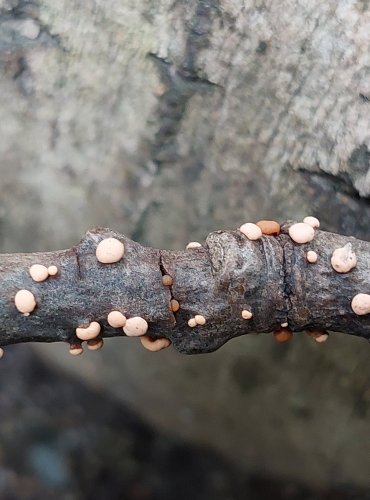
[111, 251]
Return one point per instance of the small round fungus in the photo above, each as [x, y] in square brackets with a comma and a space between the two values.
[52, 270]
[343, 259]
[95, 344]
[246, 314]
[116, 319]
[311, 257]
[251, 231]
[25, 301]
[284, 334]
[269, 227]
[76, 349]
[284, 325]
[90, 332]
[175, 306]
[154, 345]
[319, 336]
[301, 232]
[361, 304]
[135, 327]
[312, 221]
[110, 250]
[38, 272]
[200, 320]
[167, 280]
[1, 353]
[192, 323]
[193, 244]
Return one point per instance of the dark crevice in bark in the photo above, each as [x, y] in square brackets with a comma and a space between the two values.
[169, 287]
[200, 28]
[171, 109]
[286, 247]
[341, 182]
[182, 82]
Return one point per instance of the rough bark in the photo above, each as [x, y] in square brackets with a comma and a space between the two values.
[269, 277]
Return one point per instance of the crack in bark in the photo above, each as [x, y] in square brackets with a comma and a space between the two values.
[287, 290]
[170, 289]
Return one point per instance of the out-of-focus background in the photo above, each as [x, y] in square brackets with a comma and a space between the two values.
[167, 120]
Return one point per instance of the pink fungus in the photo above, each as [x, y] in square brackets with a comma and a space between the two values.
[343, 259]
[154, 345]
[246, 314]
[38, 272]
[110, 250]
[311, 257]
[301, 232]
[52, 270]
[199, 319]
[193, 244]
[116, 319]
[76, 349]
[95, 344]
[192, 323]
[135, 327]
[90, 332]
[361, 304]
[25, 302]
[251, 231]
[319, 336]
[312, 221]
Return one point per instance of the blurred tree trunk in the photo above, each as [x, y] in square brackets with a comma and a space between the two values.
[165, 120]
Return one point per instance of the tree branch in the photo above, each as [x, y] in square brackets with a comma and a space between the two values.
[269, 278]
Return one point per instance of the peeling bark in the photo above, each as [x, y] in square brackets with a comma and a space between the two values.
[269, 277]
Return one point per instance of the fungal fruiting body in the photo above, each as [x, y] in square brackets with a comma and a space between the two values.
[52, 270]
[25, 302]
[116, 319]
[200, 320]
[319, 336]
[193, 244]
[109, 251]
[246, 314]
[90, 332]
[154, 345]
[361, 304]
[269, 227]
[343, 259]
[75, 349]
[312, 221]
[251, 231]
[175, 306]
[38, 272]
[284, 334]
[95, 344]
[167, 280]
[135, 327]
[192, 323]
[1, 353]
[284, 325]
[311, 257]
[301, 232]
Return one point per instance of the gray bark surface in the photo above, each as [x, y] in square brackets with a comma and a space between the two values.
[166, 120]
[269, 277]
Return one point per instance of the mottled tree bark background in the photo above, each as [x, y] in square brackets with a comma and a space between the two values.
[167, 120]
